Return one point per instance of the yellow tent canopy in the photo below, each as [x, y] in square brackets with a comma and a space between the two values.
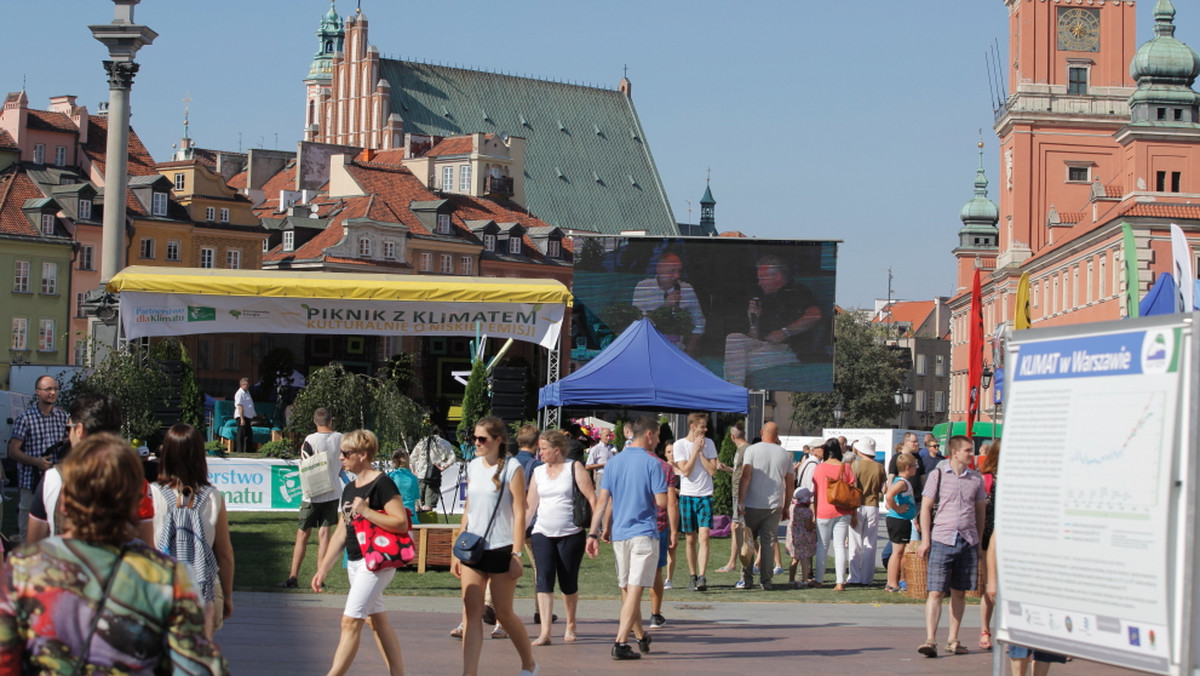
[338, 285]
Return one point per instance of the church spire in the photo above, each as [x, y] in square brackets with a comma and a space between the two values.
[1165, 69]
[708, 208]
[980, 215]
[330, 36]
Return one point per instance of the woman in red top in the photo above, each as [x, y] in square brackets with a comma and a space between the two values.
[833, 523]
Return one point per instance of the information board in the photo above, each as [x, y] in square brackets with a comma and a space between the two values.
[1088, 498]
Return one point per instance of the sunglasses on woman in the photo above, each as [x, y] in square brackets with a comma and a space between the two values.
[482, 440]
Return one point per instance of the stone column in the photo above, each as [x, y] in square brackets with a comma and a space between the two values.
[116, 167]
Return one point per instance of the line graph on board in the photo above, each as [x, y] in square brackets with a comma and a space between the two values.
[1112, 464]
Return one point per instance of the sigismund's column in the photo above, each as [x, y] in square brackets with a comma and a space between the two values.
[123, 38]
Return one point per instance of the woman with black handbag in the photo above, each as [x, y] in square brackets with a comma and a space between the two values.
[489, 548]
[371, 496]
[559, 490]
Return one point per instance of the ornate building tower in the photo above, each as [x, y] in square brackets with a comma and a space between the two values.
[708, 211]
[978, 238]
[330, 36]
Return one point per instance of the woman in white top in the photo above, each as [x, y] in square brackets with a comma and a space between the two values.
[183, 478]
[501, 563]
[557, 542]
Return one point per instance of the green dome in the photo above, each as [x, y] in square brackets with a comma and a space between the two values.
[1164, 58]
[980, 209]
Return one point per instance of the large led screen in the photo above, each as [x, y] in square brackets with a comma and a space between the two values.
[758, 313]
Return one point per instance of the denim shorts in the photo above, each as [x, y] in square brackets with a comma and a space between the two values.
[952, 566]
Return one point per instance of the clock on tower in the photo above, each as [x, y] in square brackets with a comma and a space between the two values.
[1079, 29]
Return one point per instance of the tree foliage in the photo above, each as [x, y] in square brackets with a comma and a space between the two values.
[134, 379]
[723, 481]
[866, 373]
[359, 401]
[476, 402]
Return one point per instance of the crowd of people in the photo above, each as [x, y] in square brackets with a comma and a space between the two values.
[162, 542]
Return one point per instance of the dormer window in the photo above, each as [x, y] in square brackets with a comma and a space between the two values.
[553, 248]
[448, 179]
[514, 244]
[443, 224]
[389, 250]
[364, 247]
[179, 181]
[289, 240]
[224, 215]
[85, 209]
[158, 204]
[464, 178]
[47, 224]
[489, 242]
[210, 214]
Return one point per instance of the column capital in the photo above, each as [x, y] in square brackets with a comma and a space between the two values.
[120, 74]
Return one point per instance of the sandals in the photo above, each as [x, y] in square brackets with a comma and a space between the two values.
[890, 589]
[457, 632]
[569, 636]
[985, 640]
[541, 641]
[956, 648]
[499, 632]
[928, 649]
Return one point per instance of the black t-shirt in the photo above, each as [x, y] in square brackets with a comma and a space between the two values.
[377, 493]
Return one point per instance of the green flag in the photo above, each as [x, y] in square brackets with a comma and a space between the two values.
[1132, 297]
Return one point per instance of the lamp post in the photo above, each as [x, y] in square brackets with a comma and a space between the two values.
[839, 412]
[903, 398]
[985, 382]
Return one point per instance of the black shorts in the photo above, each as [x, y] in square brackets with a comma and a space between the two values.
[899, 530]
[494, 561]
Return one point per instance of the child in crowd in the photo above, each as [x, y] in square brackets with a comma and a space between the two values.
[902, 509]
[801, 537]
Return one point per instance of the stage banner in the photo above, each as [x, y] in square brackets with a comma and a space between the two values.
[256, 484]
[168, 314]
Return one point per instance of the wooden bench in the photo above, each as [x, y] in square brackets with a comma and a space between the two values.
[435, 543]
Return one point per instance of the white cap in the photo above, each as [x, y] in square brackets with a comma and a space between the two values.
[865, 446]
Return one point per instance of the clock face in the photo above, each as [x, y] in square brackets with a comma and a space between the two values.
[1079, 29]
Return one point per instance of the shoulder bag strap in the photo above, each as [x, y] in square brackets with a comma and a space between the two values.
[87, 642]
[499, 497]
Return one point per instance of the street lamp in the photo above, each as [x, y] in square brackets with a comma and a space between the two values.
[839, 412]
[903, 398]
[986, 377]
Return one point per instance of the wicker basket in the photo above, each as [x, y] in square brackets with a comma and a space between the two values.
[915, 569]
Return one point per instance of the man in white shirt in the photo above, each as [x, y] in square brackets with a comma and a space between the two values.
[321, 510]
[600, 454]
[665, 288]
[243, 410]
[696, 460]
[765, 488]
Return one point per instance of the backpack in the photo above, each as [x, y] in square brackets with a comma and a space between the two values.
[182, 536]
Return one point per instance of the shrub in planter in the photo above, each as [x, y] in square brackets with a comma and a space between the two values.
[276, 449]
[215, 448]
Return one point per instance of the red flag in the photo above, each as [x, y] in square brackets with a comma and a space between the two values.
[975, 355]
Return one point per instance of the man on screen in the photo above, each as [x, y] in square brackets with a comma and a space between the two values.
[778, 323]
[665, 288]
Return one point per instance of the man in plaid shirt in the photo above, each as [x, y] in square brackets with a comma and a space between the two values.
[34, 432]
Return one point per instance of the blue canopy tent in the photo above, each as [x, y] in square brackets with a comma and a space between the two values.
[642, 369]
[1160, 299]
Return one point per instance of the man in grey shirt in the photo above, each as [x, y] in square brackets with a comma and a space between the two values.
[765, 488]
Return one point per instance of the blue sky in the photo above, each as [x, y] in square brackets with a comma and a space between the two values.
[843, 120]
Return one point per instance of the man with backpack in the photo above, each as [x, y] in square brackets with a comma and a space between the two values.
[318, 509]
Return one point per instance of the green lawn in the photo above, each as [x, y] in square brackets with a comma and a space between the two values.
[263, 541]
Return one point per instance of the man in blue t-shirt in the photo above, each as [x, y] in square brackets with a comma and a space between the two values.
[635, 487]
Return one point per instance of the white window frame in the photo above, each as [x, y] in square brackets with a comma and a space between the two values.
[79, 311]
[443, 224]
[489, 242]
[289, 240]
[514, 244]
[389, 250]
[174, 247]
[180, 181]
[939, 365]
[224, 215]
[426, 261]
[85, 209]
[20, 334]
[158, 204]
[21, 272]
[49, 278]
[146, 248]
[39, 153]
[1090, 271]
[266, 245]
[1103, 274]
[210, 214]
[60, 156]
[921, 365]
[233, 259]
[208, 256]
[464, 179]
[466, 265]
[448, 179]
[553, 248]
[364, 247]
[920, 402]
[46, 335]
[446, 264]
[47, 224]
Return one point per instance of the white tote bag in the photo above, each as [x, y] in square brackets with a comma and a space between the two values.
[314, 475]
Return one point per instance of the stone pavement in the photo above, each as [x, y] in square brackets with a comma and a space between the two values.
[295, 634]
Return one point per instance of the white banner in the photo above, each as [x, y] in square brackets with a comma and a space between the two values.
[256, 485]
[163, 314]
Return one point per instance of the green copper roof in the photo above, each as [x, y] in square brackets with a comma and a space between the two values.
[587, 163]
[708, 198]
[1163, 57]
[980, 210]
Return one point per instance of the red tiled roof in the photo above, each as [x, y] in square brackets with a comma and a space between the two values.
[46, 120]
[15, 188]
[394, 189]
[7, 141]
[1113, 190]
[731, 233]
[390, 158]
[355, 207]
[913, 312]
[1157, 210]
[1071, 217]
[238, 180]
[285, 179]
[455, 145]
[140, 161]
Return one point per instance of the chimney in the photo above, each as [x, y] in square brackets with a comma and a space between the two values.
[62, 104]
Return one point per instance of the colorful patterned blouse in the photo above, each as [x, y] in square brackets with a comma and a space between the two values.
[152, 623]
